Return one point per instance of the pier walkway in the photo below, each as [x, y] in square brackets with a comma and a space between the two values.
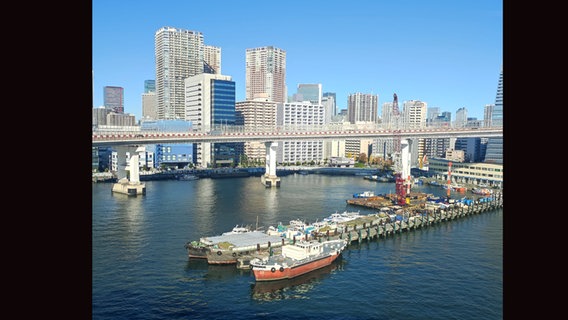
[383, 225]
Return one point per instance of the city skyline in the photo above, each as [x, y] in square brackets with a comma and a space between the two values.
[446, 54]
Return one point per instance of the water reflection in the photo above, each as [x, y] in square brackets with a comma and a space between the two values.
[214, 272]
[296, 288]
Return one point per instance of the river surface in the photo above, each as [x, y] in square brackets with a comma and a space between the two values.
[140, 268]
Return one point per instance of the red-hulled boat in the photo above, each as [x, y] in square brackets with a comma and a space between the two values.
[297, 259]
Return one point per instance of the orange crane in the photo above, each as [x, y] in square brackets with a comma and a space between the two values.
[449, 177]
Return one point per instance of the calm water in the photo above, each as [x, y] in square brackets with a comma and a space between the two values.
[452, 270]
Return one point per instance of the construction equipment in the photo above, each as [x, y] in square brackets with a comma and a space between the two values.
[401, 157]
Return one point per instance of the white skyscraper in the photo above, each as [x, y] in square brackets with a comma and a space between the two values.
[179, 54]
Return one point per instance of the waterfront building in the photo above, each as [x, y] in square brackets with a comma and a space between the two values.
[257, 114]
[210, 105]
[494, 151]
[179, 55]
[145, 160]
[174, 156]
[265, 72]
[101, 159]
[299, 116]
[114, 98]
[171, 155]
[463, 172]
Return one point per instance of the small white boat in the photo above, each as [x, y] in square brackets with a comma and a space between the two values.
[188, 177]
[365, 194]
[237, 230]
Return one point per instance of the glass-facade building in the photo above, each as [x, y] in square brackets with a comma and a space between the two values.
[223, 114]
[309, 92]
[149, 86]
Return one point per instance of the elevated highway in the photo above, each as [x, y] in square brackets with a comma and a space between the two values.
[127, 141]
[235, 134]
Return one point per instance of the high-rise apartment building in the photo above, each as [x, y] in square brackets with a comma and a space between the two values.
[114, 98]
[362, 107]
[212, 59]
[414, 114]
[179, 55]
[265, 73]
[494, 151]
[257, 114]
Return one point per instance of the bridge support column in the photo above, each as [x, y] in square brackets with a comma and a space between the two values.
[132, 186]
[269, 178]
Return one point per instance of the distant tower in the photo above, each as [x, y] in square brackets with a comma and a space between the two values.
[309, 92]
[149, 86]
[265, 71]
[334, 104]
[212, 59]
[362, 107]
[494, 152]
[114, 98]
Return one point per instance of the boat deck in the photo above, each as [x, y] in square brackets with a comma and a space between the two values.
[245, 239]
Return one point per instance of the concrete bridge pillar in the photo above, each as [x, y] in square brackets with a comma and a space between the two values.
[269, 178]
[132, 185]
[121, 152]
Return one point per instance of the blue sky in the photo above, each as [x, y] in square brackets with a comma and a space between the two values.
[446, 53]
